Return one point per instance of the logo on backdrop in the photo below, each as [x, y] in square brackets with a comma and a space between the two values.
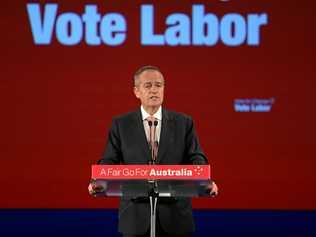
[253, 105]
[200, 28]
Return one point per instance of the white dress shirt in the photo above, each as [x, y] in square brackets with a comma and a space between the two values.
[158, 116]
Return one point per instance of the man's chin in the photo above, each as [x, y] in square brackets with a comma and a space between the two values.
[155, 104]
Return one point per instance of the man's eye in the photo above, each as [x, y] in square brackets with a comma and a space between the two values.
[147, 85]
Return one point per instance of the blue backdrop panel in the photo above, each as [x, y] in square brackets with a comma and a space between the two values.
[76, 222]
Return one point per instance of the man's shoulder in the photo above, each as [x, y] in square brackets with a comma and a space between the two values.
[171, 114]
[127, 116]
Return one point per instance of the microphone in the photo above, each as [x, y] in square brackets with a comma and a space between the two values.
[155, 142]
[155, 123]
[150, 124]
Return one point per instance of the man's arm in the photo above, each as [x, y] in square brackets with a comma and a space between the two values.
[194, 152]
[112, 153]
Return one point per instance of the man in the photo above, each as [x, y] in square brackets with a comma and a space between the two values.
[178, 144]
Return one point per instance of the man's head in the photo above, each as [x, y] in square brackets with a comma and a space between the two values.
[149, 87]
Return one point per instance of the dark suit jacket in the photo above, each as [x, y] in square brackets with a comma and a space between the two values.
[178, 144]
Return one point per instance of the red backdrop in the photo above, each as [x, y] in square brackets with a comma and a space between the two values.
[57, 103]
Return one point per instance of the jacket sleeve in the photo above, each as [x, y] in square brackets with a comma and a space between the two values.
[193, 151]
[112, 153]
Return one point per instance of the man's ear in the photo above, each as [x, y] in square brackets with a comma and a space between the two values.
[136, 92]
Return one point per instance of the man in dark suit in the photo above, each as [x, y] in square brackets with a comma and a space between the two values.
[178, 144]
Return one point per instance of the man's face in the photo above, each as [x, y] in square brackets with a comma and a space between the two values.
[149, 88]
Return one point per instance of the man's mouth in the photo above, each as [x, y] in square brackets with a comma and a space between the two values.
[154, 97]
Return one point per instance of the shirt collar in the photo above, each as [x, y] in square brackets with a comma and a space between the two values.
[145, 115]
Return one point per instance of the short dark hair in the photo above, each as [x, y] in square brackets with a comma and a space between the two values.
[143, 69]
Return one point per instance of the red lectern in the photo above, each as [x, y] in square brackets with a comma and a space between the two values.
[151, 181]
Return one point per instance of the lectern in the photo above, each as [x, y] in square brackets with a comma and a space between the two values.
[152, 182]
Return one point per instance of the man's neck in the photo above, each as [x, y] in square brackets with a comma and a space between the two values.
[151, 110]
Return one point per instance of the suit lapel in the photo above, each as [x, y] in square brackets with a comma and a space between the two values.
[167, 134]
[140, 133]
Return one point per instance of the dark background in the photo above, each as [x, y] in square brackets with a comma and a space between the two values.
[57, 103]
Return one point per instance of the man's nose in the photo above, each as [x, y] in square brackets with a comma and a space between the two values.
[154, 89]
